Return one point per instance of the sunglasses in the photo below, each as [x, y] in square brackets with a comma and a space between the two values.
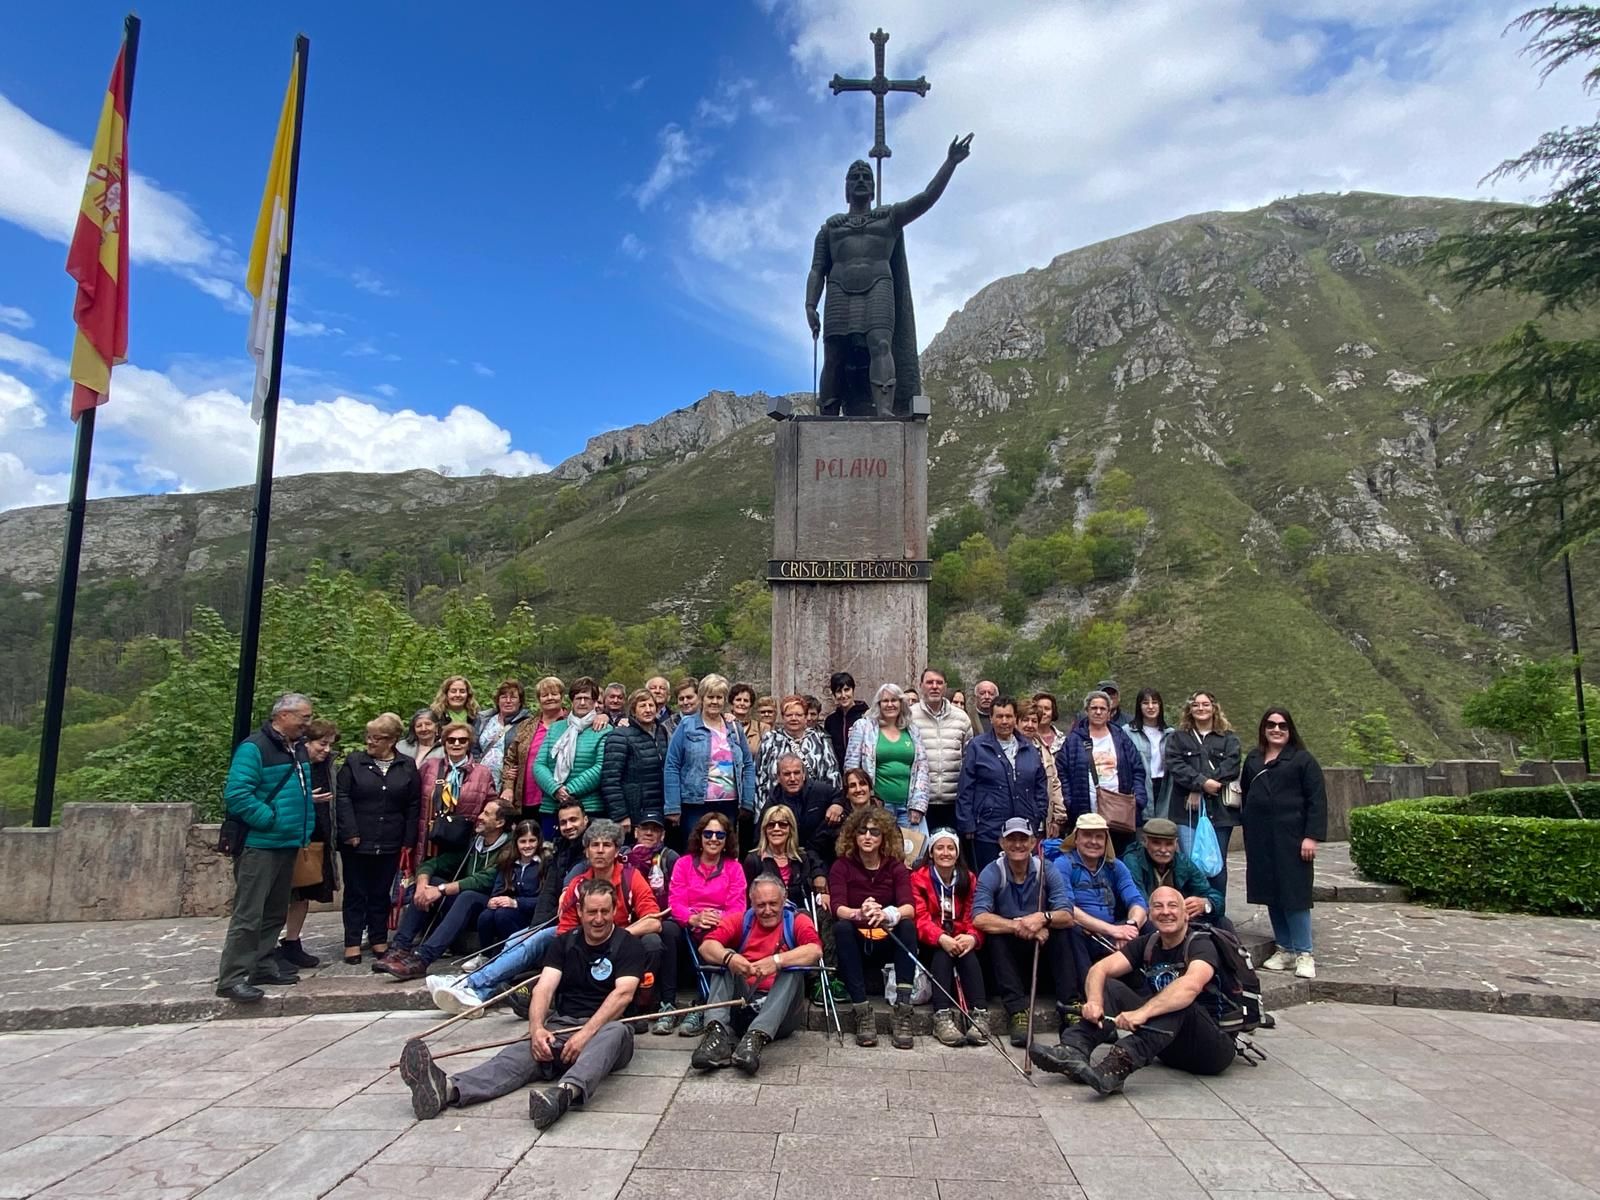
[1275, 725]
[715, 835]
[777, 824]
[456, 741]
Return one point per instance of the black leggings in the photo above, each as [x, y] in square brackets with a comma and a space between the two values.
[854, 951]
[945, 970]
[367, 880]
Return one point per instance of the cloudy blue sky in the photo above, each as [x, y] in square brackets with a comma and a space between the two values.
[521, 225]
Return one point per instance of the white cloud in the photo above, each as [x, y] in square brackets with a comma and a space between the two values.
[479, 369]
[387, 390]
[163, 438]
[41, 185]
[21, 486]
[725, 103]
[19, 406]
[17, 318]
[679, 156]
[1098, 120]
[31, 357]
[311, 328]
[370, 282]
[631, 247]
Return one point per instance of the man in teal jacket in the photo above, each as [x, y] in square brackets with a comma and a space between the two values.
[1159, 863]
[269, 793]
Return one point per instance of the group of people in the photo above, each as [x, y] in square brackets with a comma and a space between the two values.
[967, 853]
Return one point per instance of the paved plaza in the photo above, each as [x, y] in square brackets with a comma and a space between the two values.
[1361, 1103]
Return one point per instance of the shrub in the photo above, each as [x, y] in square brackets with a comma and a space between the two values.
[1505, 850]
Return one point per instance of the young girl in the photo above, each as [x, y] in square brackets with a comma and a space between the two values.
[516, 888]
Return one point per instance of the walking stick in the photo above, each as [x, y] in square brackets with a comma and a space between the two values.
[988, 1037]
[530, 931]
[830, 1010]
[571, 1029]
[1033, 987]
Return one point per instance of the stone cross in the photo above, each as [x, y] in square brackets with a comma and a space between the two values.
[880, 86]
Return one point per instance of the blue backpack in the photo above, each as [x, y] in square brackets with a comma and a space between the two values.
[788, 942]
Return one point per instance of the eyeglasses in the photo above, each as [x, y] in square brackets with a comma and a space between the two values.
[456, 741]
[777, 824]
[1284, 725]
[715, 835]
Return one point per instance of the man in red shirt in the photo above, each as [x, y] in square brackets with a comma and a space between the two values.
[759, 951]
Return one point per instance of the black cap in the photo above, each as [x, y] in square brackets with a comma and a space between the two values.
[653, 817]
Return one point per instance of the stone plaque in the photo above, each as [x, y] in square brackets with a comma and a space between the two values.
[842, 570]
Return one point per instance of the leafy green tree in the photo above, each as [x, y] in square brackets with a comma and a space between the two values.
[1368, 741]
[1298, 544]
[951, 531]
[1532, 704]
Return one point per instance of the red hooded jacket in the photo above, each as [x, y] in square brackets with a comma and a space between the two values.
[925, 903]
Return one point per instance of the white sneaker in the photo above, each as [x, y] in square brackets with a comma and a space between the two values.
[1281, 960]
[435, 983]
[1305, 967]
[472, 964]
[442, 990]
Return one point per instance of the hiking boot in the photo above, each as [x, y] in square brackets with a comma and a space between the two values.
[900, 1037]
[547, 1105]
[403, 965]
[1071, 1055]
[747, 1054]
[519, 1000]
[692, 1025]
[294, 954]
[1280, 960]
[430, 1089]
[1111, 1074]
[944, 1028]
[715, 1049]
[866, 1023]
[1068, 1015]
[390, 958]
[1019, 1029]
[1305, 967]
[662, 1026]
[977, 1027]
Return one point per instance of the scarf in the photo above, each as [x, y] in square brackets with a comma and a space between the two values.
[564, 751]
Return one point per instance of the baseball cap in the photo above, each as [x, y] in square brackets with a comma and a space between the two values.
[1017, 825]
[1092, 821]
[1160, 827]
[654, 817]
[1108, 685]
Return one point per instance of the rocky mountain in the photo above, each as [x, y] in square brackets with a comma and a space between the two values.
[1255, 383]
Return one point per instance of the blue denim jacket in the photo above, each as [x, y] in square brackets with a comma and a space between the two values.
[683, 777]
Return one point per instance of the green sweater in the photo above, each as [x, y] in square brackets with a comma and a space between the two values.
[583, 784]
[473, 868]
[1190, 880]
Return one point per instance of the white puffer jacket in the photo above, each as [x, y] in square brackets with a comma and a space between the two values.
[944, 737]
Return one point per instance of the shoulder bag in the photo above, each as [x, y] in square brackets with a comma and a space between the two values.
[1120, 809]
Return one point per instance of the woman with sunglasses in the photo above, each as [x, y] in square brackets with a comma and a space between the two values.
[779, 852]
[707, 885]
[453, 784]
[1285, 816]
[870, 890]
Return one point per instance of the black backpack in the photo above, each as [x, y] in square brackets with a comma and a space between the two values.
[1238, 985]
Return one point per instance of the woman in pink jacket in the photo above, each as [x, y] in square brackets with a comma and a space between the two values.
[707, 885]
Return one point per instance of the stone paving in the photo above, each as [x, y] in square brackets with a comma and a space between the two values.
[1359, 1103]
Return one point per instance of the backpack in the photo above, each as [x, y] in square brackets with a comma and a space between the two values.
[1238, 985]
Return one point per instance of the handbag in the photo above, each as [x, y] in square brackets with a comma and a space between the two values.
[450, 829]
[308, 866]
[1120, 809]
[1232, 794]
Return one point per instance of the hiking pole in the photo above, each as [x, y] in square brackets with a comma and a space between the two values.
[571, 1029]
[477, 1008]
[458, 958]
[830, 1010]
[988, 1037]
[1033, 986]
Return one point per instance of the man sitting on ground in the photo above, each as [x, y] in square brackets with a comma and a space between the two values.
[1159, 863]
[522, 952]
[589, 978]
[1171, 1015]
[761, 951]
[1006, 910]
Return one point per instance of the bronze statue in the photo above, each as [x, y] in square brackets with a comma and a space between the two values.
[869, 338]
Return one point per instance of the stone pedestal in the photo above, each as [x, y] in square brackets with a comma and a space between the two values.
[849, 569]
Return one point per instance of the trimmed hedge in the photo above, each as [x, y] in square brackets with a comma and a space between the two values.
[1505, 850]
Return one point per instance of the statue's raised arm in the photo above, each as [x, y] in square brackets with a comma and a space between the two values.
[909, 210]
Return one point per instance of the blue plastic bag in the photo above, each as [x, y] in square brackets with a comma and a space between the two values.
[1206, 851]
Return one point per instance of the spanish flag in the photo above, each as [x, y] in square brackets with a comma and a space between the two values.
[270, 249]
[98, 256]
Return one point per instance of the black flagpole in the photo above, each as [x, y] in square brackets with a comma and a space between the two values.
[55, 699]
[261, 513]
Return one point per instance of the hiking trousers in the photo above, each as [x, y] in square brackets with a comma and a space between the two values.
[781, 1011]
[261, 883]
[609, 1050]
[1186, 1040]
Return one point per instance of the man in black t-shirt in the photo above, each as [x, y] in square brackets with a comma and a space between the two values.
[1170, 1015]
[586, 984]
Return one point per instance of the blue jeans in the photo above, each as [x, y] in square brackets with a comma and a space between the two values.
[1291, 930]
[515, 957]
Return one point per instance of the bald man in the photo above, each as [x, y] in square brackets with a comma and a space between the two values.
[1161, 990]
